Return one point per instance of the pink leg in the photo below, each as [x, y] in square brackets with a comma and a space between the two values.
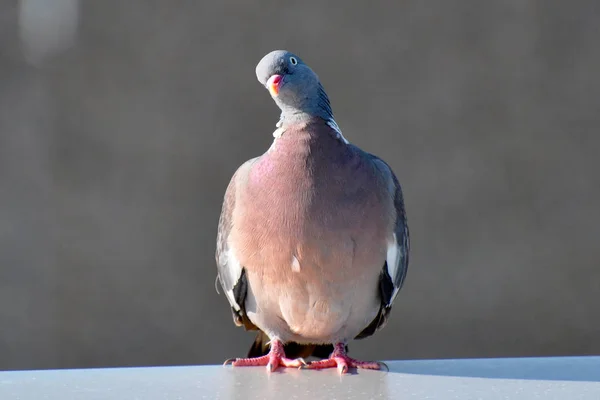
[340, 359]
[274, 359]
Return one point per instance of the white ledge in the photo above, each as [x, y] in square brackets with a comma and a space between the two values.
[564, 378]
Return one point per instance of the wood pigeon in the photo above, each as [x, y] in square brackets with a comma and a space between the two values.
[312, 243]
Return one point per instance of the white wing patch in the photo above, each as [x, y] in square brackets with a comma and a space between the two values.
[393, 262]
[234, 271]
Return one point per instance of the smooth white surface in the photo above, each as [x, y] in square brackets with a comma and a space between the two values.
[567, 378]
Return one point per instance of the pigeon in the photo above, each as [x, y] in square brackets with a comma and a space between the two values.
[313, 241]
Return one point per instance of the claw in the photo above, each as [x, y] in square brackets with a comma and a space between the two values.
[229, 361]
[384, 365]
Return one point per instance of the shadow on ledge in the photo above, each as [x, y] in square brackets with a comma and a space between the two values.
[584, 369]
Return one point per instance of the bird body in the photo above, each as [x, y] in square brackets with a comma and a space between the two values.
[299, 201]
[313, 243]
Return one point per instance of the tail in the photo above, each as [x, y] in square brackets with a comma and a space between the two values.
[292, 350]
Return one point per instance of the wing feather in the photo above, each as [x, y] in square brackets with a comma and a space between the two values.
[399, 245]
[395, 268]
[231, 274]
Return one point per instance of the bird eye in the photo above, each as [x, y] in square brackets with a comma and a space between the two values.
[293, 60]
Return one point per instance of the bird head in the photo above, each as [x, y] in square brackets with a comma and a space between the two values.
[292, 84]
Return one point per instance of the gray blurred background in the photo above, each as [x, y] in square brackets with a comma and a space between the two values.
[121, 123]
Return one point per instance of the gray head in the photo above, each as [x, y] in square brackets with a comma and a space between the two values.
[295, 88]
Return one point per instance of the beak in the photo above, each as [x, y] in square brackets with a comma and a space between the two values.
[274, 83]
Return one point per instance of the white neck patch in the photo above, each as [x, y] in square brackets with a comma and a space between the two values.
[333, 125]
[330, 122]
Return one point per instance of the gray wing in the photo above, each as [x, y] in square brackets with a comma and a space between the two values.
[395, 268]
[231, 274]
[398, 251]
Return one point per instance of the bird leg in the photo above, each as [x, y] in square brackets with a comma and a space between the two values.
[342, 361]
[274, 359]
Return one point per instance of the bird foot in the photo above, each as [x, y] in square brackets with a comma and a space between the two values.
[276, 358]
[342, 361]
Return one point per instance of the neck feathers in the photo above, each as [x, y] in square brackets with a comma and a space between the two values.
[319, 108]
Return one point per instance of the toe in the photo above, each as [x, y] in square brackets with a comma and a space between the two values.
[365, 364]
[343, 364]
[249, 362]
[297, 363]
[322, 364]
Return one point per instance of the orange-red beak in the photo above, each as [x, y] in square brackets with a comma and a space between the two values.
[273, 84]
